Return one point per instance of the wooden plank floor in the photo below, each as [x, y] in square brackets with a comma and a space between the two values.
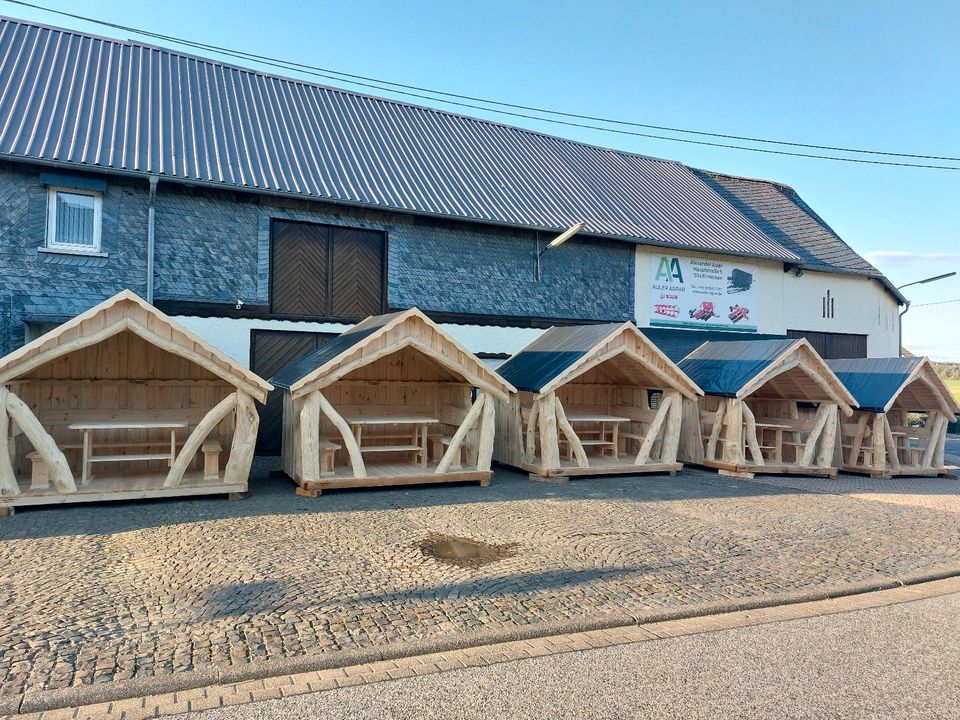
[604, 465]
[121, 487]
[395, 473]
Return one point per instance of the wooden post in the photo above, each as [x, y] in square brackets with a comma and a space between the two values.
[8, 480]
[751, 431]
[453, 450]
[487, 430]
[549, 443]
[718, 417]
[349, 441]
[930, 452]
[60, 473]
[309, 437]
[570, 434]
[891, 445]
[244, 441]
[820, 421]
[938, 457]
[828, 438]
[531, 442]
[199, 434]
[691, 435]
[733, 435]
[654, 430]
[879, 452]
[671, 433]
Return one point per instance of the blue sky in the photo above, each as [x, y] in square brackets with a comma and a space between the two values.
[870, 75]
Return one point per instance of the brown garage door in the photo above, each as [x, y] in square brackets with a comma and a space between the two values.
[271, 351]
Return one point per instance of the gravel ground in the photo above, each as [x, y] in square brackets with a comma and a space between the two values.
[898, 661]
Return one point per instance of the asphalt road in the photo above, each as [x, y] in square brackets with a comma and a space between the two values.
[897, 662]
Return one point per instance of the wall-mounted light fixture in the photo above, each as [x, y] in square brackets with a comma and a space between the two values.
[556, 242]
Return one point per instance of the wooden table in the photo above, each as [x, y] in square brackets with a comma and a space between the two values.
[418, 438]
[89, 428]
[601, 421]
[777, 438]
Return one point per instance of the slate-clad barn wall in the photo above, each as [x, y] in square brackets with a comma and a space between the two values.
[215, 247]
[40, 286]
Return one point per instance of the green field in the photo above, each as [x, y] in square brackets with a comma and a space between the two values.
[954, 385]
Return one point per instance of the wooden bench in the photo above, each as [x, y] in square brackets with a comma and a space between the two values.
[328, 450]
[211, 459]
[438, 443]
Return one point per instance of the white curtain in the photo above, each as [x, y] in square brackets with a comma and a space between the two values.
[75, 218]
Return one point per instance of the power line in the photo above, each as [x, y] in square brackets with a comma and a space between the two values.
[377, 84]
[938, 302]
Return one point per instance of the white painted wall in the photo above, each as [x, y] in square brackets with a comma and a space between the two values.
[232, 335]
[786, 302]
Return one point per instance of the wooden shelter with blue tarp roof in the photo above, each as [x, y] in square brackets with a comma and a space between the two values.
[394, 400]
[769, 407]
[878, 440]
[592, 400]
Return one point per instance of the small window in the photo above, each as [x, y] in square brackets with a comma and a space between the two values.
[73, 220]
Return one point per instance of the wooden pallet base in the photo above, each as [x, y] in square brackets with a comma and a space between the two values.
[124, 487]
[748, 472]
[602, 466]
[389, 475]
[949, 472]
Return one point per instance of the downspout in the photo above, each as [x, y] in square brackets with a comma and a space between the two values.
[906, 309]
[151, 229]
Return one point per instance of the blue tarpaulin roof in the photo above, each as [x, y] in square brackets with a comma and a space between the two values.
[724, 368]
[299, 369]
[874, 382]
[677, 344]
[552, 353]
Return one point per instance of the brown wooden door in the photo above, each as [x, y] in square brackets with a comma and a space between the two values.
[298, 270]
[270, 352]
[321, 271]
[356, 280]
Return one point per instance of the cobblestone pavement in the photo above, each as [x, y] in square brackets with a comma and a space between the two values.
[95, 593]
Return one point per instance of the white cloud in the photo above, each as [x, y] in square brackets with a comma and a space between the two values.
[899, 258]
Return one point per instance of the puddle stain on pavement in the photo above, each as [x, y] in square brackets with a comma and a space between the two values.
[464, 552]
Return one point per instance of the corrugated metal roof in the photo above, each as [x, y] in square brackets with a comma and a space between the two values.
[785, 218]
[81, 100]
[676, 344]
[724, 368]
[873, 382]
[299, 369]
[552, 353]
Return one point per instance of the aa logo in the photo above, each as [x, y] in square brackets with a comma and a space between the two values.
[669, 270]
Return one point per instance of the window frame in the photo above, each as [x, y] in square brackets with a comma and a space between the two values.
[51, 239]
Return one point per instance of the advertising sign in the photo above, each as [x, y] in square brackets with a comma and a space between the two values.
[707, 294]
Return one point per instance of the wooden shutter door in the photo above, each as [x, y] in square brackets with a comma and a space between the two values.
[298, 269]
[356, 277]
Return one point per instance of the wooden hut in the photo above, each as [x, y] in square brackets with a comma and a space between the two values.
[392, 401]
[878, 440]
[770, 407]
[592, 400]
[120, 403]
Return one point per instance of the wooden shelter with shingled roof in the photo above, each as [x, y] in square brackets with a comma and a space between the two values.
[394, 400]
[878, 440]
[769, 407]
[122, 403]
[592, 400]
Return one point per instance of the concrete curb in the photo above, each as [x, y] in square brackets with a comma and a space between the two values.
[46, 700]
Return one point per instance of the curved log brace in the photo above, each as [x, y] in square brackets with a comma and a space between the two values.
[570, 434]
[8, 480]
[199, 434]
[60, 472]
[244, 443]
[473, 414]
[349, 441]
